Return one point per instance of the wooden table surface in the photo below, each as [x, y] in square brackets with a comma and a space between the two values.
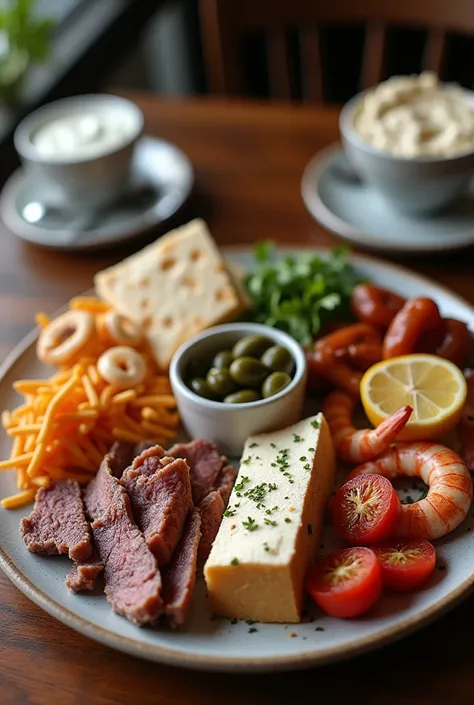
[248, 160]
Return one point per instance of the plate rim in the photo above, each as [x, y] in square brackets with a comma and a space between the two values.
[148, 220]
[197, 661]
[332, 222]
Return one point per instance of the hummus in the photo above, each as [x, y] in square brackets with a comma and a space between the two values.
[417, 116]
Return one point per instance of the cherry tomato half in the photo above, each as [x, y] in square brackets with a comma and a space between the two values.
[366, 509]
[346, 583]
[406, 565]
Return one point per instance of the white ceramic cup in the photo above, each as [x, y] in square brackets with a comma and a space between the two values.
[229, 425]
[82, 181]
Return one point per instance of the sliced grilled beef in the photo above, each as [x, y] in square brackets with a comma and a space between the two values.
[211, 508]
[204, 462]
[225, 480]
[57, 523]
[84, 574]
[160, 492]
[180, 579]
[132, 578]
[122, 455]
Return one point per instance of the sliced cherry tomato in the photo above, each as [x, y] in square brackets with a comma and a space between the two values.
[346, 583]
[366, 509]
[406, 565]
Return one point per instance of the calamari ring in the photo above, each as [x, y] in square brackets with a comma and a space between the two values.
[122, 366]
[64, 337]
[121, 330]
[376, 306]
[417, 327]
[450, 487]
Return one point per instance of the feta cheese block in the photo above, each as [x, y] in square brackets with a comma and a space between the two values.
[272, 526]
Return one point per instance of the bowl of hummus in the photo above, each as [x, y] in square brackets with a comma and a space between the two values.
[412, 139]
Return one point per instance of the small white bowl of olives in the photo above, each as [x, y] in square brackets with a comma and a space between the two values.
[238, 379]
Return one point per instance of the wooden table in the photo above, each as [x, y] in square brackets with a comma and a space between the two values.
[248, 159]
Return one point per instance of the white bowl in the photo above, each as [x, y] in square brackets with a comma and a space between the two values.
[81, 181]
[229, 425]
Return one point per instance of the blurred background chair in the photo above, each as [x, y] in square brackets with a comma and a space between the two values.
[329, 49]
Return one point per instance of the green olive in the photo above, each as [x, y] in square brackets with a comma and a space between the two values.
[223, 359]
[248, 372]
[275, 383]
[220, 382]
[251, 346]
[278, 359]
[244, 396]
[201, 387]
[197, 367]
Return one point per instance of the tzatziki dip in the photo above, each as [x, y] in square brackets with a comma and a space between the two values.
[84, 132]
[417, 116]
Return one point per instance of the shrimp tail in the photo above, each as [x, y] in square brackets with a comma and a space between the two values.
[390, 428]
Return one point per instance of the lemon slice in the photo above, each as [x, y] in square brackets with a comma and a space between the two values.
[434, 387]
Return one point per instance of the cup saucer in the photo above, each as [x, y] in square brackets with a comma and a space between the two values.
[338, 200]
[161, 181]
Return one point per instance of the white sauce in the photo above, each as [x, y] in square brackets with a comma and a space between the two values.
[84, 133]
[417, 116]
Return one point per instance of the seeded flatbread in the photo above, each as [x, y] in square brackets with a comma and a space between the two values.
[173, 288]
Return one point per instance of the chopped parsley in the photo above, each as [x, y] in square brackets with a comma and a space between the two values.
[311, 450]
[234, 561]
[307, 466]
[229, 512]
[272, 486]
[297, 438]
[250, 524]
[257, 493]
[247, 461]
[287, 520]
[234, 620]
[319, 629]
[253, 445]
[269, 522]
[272, 445]
[244, 480]
[315, 424]
[310, 529]
[252, 630]
[266, 547]
[303, 458]
[287, 498]
[250, 622]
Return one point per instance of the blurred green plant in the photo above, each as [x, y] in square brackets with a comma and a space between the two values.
[24, 40]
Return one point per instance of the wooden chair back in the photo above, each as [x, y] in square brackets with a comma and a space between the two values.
[225, 22]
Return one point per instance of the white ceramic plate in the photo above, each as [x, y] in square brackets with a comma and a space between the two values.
[217, 644]
[351, 209]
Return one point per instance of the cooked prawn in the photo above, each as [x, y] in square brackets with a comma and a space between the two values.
[358, 446]
[450, 487]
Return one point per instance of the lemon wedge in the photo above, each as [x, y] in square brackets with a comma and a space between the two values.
[434, 387]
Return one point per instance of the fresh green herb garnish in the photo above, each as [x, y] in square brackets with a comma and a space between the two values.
[257, 493]
[319, 629]
[272, 445]
[244, 480]
[250, 524]
[287, 520]
[266, 547]
[247, 460]
[315, 424]
[229, 512]
[269, 522]
[300, 294]
[297, 438]
[303, 458]
[234, 561]
[253, 445]
[234, 620]
[272, 486]
[311, 450]
[252, 630]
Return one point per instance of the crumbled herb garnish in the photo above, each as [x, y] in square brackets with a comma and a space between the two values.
[287, 498]
[234, 561]
[287, 520]
[272, 445]
[292, 482]
[234, 620]
[257, 493]
[253, 445]
[252, 630]
[273, 465]
[272, 486]
[297, 438]
[250, 622]
[307, 466]
[237, 505]
[310, 529]
[266, 547]
[247, 461]
[250, 524]
[270, 522]
[315, 424]
[303, 458]
[229, 512]
[239, 487]
[257, 457]
[311, 450]
[319, 629]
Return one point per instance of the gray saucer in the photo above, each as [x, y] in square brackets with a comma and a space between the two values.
[162, 179]
[341, 203]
